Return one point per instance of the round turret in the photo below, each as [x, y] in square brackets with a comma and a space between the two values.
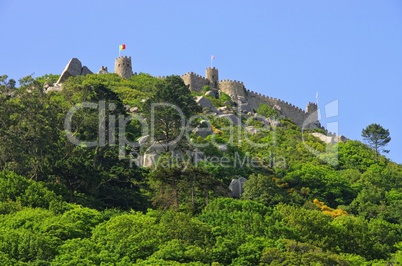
[212, 76]
[123, 67]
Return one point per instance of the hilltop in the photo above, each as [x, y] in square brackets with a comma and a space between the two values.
[131, 169]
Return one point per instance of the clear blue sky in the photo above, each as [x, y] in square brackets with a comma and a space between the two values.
[347, 50]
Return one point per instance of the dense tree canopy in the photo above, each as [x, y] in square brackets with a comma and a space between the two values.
[67, 204]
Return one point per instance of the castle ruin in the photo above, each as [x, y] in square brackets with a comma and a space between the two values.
[307, 118]
[236, 90]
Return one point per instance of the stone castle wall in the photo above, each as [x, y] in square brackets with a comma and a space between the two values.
[296, 114]
[195, 81]
[233, 88]
[304, 119]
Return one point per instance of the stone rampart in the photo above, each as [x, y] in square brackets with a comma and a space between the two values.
[236, 90]
[195, 81]
[296, 114]
[233, 88]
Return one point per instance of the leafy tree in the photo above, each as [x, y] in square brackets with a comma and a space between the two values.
[397, 257]
[166, 181]
[267, 111]
[376, 137]
[135, 235]
[169, 107]
[26, 122]
[50, 79]
[322, 181]
[355, 155]
[29, 84]
[176, 250]
[82, 252]
[96, 175]
[189, 187]
[190, 230]
[290, 252]
[15, 188]
[291, 222]
[6, 86]
[263, 189]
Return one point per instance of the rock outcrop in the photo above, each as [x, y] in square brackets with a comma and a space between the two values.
[236, 187]
[73, 68]
[205, 103]
[232, 117]
[331, 139]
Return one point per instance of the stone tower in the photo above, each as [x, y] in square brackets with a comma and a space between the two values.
[212, 75]
[123, 67]
[312, 115]
[311, 108]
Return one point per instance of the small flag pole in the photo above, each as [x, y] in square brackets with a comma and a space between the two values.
[318, 108]
[211, 61]
[121, 48]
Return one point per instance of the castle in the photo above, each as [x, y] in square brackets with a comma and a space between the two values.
[247, 99]
[123, 67]
[238, 93]
[307, 118]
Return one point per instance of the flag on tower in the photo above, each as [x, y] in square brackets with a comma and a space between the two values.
[212, 58]
[122, 47]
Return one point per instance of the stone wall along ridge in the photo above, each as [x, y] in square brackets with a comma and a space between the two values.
[233, 88]
[289, 110]
[195, 81]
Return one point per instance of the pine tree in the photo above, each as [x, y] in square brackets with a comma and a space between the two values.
[376, 137]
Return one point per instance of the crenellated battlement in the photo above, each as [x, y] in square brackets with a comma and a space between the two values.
[296, 114]
[231, 81]
[194, 81]
[268, 99]
[311, 107]
[124, 57]
[194, 75]
[235, 89]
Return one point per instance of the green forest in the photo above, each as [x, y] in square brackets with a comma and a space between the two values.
[68, 204]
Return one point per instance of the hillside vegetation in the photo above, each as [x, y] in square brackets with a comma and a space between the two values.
[68, 204]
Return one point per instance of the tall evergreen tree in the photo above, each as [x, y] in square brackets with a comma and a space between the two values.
[376, 137]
